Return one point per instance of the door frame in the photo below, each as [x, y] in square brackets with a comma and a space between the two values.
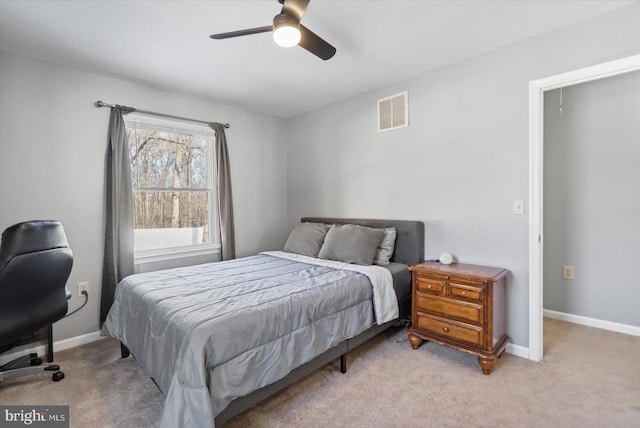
[537, 88]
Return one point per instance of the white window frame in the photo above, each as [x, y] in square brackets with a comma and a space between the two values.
[173, 253]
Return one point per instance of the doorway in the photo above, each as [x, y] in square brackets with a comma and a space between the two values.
[537, 88]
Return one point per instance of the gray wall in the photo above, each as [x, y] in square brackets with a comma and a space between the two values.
[592, 199]
[52, 158]
[464, 157]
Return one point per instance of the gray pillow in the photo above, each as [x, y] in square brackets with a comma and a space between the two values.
[385, 248]
[351, 243]
[306, 239]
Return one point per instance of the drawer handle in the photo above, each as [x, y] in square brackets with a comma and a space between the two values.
[445, 329]
[429, 286]
[464, 293]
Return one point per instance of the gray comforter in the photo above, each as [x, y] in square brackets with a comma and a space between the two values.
[213, 332]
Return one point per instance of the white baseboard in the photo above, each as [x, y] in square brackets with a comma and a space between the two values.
[522, 352]
[57, 346]
[517, 350]
[592, 322]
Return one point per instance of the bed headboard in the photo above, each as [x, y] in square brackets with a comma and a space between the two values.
[409, 241]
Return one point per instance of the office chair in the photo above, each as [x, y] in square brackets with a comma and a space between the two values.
[35, 263]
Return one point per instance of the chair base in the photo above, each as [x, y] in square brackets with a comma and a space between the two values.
[29, 364]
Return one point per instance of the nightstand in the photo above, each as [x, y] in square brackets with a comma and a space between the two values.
[461, 306]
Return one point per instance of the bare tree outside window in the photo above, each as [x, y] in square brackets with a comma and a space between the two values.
[171, 187]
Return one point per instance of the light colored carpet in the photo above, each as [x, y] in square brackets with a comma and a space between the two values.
[589, 378]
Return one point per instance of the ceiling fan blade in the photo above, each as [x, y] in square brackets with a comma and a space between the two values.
[242, 32]
[295, 8]
[314, 44]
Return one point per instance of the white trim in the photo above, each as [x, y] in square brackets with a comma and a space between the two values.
[200, 130]
[593, 322]
[163, 124]
[517, 350]
[536, 146]
[536, 110]
[152, 256]
[57, 346]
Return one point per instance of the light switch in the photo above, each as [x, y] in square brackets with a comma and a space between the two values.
[567, 272]
[518, 206]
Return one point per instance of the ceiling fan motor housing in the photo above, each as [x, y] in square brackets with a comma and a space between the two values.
[284, 19]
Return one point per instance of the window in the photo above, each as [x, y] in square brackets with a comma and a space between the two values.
[173, 181]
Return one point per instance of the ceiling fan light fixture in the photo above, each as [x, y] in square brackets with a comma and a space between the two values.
[286, 31]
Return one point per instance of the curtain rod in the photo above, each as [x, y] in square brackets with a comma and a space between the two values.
[101, 104]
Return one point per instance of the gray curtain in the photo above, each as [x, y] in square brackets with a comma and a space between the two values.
[225, 200]
[118, 242]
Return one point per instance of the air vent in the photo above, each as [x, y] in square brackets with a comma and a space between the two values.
[393, 112]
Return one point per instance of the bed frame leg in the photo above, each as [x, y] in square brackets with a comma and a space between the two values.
[124, 351]
[343, 363]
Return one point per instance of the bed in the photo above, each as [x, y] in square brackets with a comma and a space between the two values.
[220, 337]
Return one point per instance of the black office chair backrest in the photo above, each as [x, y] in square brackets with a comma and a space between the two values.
[35, 263]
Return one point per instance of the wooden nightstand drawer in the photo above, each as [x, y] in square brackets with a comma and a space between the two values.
[430, 285]
[450, 329]
[450, 308]
[466, 291]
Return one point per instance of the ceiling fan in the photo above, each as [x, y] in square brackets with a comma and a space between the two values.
[288, 31]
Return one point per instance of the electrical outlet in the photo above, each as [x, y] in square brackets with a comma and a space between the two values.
[567, 272]
[83, 286]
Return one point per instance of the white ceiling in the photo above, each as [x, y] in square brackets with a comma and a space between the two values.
[167, 44]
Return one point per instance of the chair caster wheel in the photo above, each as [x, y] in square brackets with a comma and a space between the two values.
[57, 376]
[36, 361]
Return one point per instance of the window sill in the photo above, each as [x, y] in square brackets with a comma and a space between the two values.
[153, 256]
